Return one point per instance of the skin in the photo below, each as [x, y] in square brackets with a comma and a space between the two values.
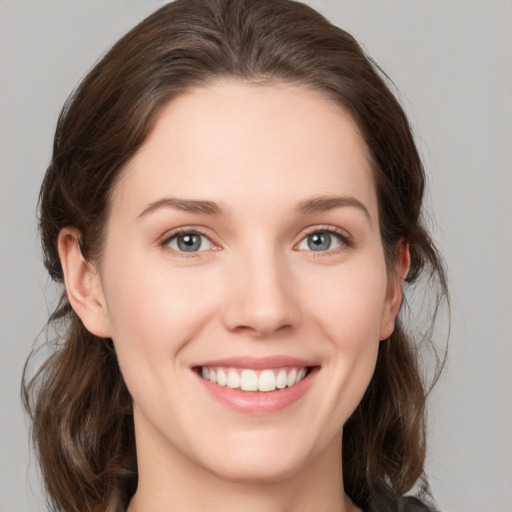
[256, 289]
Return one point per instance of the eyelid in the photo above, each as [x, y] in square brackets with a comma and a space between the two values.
[344, 238]
[166, 239]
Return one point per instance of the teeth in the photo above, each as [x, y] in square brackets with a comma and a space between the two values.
[233, 379]
[222, 378]
[251, 380]
[282, 379]
[248, 380]
[291, 377]
[267, 381]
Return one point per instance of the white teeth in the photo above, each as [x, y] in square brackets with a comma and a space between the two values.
[291, 377]
[267, 381]
[282, 379]
[251, 380]
[221, 378]
[233, 381]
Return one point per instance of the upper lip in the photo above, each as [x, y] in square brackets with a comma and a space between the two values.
[257, 363]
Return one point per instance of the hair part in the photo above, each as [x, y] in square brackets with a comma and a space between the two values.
[81, 413]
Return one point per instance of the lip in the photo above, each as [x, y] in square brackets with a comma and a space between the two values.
[257, 402]
[257, 363]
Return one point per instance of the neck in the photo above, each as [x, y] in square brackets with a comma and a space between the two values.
[175, 483]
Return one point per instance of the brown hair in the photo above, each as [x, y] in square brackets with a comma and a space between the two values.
[78, 402]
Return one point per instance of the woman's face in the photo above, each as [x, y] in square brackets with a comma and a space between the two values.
[243, 247]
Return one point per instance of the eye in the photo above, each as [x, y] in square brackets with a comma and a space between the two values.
[320, 241]
[189, 242]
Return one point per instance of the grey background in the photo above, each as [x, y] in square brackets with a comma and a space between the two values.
[452, 62]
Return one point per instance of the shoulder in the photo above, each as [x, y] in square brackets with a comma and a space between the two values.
[391, 502]
[414, 504]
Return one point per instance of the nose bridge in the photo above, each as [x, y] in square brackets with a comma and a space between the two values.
[261, 299]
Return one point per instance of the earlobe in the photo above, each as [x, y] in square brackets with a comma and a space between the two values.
[395, 294]
[83, 285]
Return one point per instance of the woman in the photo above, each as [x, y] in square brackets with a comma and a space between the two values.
[233, 206]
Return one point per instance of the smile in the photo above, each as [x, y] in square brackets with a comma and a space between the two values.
[264, 380]
[257, 385]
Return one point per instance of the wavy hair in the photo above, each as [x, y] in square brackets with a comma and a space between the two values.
[81, 410]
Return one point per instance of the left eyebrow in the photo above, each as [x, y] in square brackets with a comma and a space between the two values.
[325, 203]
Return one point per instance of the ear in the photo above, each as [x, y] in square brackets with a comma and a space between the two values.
[83, 284]
[394, 293]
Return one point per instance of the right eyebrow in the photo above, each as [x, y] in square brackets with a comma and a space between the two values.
[184, 205]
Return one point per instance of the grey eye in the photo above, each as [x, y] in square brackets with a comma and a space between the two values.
[320, 241]
[190, 242]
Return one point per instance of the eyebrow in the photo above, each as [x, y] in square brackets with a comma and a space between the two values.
[310, 205]
[325, 203]
[185, 205]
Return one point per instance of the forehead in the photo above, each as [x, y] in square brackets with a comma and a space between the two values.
[235, 142]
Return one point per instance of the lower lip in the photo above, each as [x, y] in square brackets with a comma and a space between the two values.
[259, 402]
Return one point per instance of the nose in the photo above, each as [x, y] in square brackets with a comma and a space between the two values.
[260, 299]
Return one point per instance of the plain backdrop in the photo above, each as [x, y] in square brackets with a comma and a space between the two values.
[451, 60]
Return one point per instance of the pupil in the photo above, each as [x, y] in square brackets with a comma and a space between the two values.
[319, 241]
[189, 243]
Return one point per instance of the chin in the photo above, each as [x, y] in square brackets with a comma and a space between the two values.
[256, 472]
[261, 458]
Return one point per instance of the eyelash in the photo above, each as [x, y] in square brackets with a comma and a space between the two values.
[344, 239]
[184, 231]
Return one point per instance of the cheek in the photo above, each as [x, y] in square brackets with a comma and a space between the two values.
[349, 313]
[152, 314]
[153, 318]
[351, 302]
